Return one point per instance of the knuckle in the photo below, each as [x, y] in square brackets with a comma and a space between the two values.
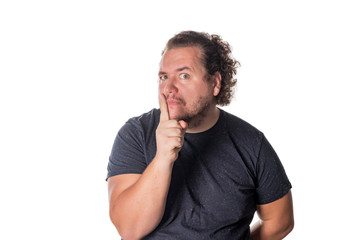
[179, 132]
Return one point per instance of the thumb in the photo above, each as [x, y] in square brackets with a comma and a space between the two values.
[183, 124]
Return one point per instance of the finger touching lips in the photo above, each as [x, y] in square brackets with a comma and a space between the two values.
[164, 115]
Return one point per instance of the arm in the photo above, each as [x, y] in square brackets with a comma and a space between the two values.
[137, 201]
[276, 220]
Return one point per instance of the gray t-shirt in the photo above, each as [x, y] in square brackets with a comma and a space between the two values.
[217, 181]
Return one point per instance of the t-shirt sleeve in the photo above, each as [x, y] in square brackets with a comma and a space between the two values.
[273, 182]
[127, 154]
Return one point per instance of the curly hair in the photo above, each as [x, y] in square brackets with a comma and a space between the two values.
[215, 57]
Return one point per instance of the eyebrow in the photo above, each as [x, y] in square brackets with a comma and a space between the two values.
[178, 70]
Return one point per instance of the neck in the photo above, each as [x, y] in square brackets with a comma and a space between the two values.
[205, 122]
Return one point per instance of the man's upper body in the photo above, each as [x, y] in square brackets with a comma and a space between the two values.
[191, 170]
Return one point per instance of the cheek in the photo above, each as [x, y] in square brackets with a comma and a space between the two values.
[193, 95]
[160, 88]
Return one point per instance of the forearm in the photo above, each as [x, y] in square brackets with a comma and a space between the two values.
[137, 204]
[139, 209]
[263, 230]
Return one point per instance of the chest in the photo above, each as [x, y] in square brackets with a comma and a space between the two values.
[212, 181]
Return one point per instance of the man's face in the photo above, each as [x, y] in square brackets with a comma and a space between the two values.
[182, 79]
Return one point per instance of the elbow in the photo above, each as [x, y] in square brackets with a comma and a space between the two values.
[115, 219]
[128, 236]
[125, 230]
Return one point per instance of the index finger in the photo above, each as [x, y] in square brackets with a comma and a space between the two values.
[164, 115]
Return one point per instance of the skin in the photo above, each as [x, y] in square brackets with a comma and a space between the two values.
[276, 220]
[190, 97]
[137, 202]
[187, 104]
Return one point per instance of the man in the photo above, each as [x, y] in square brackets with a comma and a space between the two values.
[191, 170]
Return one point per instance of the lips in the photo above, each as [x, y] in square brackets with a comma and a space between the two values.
[171, 102]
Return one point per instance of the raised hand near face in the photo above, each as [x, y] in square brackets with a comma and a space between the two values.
[169, 134]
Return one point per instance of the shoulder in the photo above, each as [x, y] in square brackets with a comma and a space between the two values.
[242, 134]
[237, 125]
[141, 127]
[144, 120]
[129, 153]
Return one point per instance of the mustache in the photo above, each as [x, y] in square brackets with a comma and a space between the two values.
[172, 97]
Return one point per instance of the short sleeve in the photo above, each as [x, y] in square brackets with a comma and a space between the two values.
[272, 180]
[127, 154]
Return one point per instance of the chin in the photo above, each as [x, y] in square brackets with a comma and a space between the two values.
[174, 115]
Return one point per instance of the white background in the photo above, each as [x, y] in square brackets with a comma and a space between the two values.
[72, 72]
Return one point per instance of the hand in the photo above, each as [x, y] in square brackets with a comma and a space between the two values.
[169, 134]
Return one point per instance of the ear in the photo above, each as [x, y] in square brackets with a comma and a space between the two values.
[217, 84]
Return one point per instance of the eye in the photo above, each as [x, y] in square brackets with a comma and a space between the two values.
[184, 76]
[163, 77]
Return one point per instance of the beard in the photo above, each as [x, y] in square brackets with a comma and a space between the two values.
[195, 112]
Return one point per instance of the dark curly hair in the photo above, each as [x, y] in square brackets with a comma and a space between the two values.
[215, 56]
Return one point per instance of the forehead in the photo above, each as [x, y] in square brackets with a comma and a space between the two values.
[177, 58]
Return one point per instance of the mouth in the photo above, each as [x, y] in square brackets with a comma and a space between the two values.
[175, 101]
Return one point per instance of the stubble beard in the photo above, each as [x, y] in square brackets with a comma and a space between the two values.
[197, 113]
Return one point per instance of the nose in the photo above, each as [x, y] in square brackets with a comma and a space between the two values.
[169, 86]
